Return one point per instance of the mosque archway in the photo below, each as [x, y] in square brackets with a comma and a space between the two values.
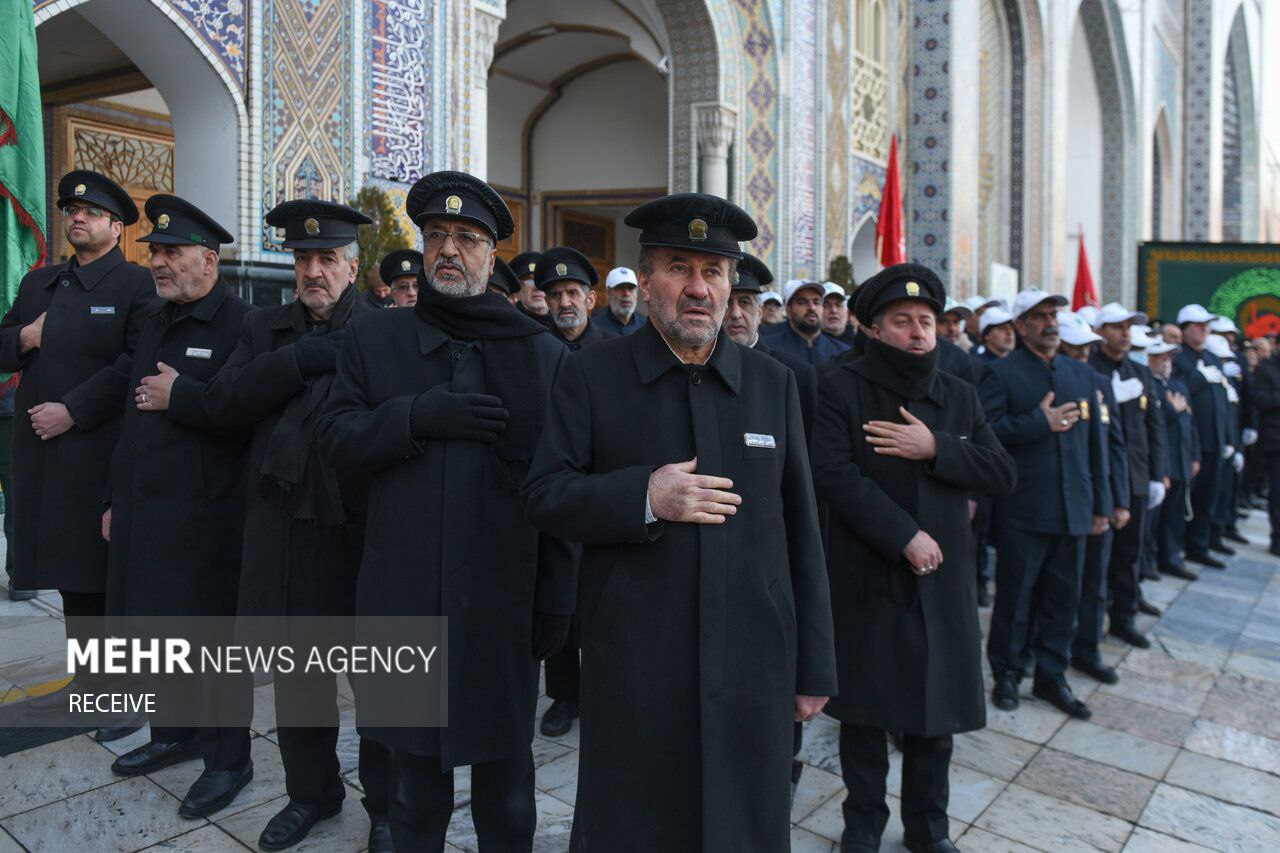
[129, 92]
[1239, 139]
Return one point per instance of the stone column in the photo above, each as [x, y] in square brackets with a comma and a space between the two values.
[486, 25]
[1198, 97]
[716, 124]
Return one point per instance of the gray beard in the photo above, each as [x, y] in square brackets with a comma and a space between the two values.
[469, 286]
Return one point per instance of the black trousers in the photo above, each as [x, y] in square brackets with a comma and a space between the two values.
[563, 668]
[1125, 570]
[502, 803]
[981, 534]
[309, 753]
[1224, 516]
[1205, 489]
[1093, 599]
[864, 764]
[1273, 496]
[225, 748]
[1037, 602]
[1171, 527]
[6, 486]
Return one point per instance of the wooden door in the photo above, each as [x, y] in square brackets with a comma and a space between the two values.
[510, 247]
[593, 237]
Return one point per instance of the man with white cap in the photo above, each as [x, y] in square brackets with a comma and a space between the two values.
[1078, 341]
[1236, 368]
[1224, 517]
[620, 316]
[1168, 523]
[801, 336]
[772, 312]
[835, 313]
[1201, 371]
[996, 335]
[1033, 400]
[1266, 397]
[977, 305]
[1144, 435]
[951, 321]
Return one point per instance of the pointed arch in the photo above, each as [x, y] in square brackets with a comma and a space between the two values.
[1163, 210]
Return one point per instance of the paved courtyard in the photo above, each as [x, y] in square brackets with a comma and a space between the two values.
[1182, 755]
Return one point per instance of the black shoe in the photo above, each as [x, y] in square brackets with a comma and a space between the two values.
[1234, 536]
[110, 733]
[1128, 632]
[22, 594]
[1274, 550]
[1148, 608]
[984, 596]
[1179, 572]
[1222, 548]
[1061, 697]
[1149, 573]
[154, 756]
[859, 842]
[559, 717]
[380, 836]
[1098, 671]
[942, 845]
[1005, 693]
[292, 823]
[214, 791]
[1204, 558]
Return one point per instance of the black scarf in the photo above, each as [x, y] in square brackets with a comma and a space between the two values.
[912, 376]
[293, 477]
[510, 365]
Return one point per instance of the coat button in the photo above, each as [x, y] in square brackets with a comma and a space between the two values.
[697, 379]
[457, 353]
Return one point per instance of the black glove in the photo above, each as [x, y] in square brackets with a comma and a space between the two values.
[441, 413]
[550, 633]
[318, 352]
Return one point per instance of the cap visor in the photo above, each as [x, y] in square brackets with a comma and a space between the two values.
[704, 250]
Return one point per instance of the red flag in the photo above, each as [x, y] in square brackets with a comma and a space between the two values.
[891, 240]
[1085, 293]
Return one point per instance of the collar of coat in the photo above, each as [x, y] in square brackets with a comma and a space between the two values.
[654, 357]
[90, 274]
[936, 393]
[208, 305]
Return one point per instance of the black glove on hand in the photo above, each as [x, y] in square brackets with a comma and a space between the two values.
[440, 413]
[550, 633]
[318, 352]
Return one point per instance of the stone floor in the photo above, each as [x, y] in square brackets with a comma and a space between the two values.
[1183, 754]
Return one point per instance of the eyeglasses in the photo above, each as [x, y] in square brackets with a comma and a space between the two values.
[71, 210]
[468, 241]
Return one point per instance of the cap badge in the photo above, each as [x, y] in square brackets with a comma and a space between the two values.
[736, 277]
[405, 265]
[312, 226]
[452, 205]
[163, 221]
[913, 289]
[532, 267]
[80, 188]
[698, 230]
[561, 269]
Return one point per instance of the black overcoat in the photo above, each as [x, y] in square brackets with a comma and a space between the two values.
[695, 638]
[445, 532]
[289, 566]
[95, 314]
[907, 647]
[177, 478]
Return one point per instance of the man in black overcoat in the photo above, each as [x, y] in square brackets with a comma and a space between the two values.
[898, 447]
[1201, 371]
[1144, 437]
[566, 277]
[303, 529]
[678, 459]
[1183, 455]
[1033, 400]
[442, 407]
[175, 512]
[66, 329]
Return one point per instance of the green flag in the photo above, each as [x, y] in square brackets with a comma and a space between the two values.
[22, 185]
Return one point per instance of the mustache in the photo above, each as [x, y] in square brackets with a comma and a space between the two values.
[687, 302]
[444, 263]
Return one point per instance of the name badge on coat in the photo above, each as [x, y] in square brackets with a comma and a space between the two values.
[102, 309]
[755, 439]
[199, 352]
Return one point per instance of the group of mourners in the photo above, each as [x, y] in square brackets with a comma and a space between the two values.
[713, 517]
